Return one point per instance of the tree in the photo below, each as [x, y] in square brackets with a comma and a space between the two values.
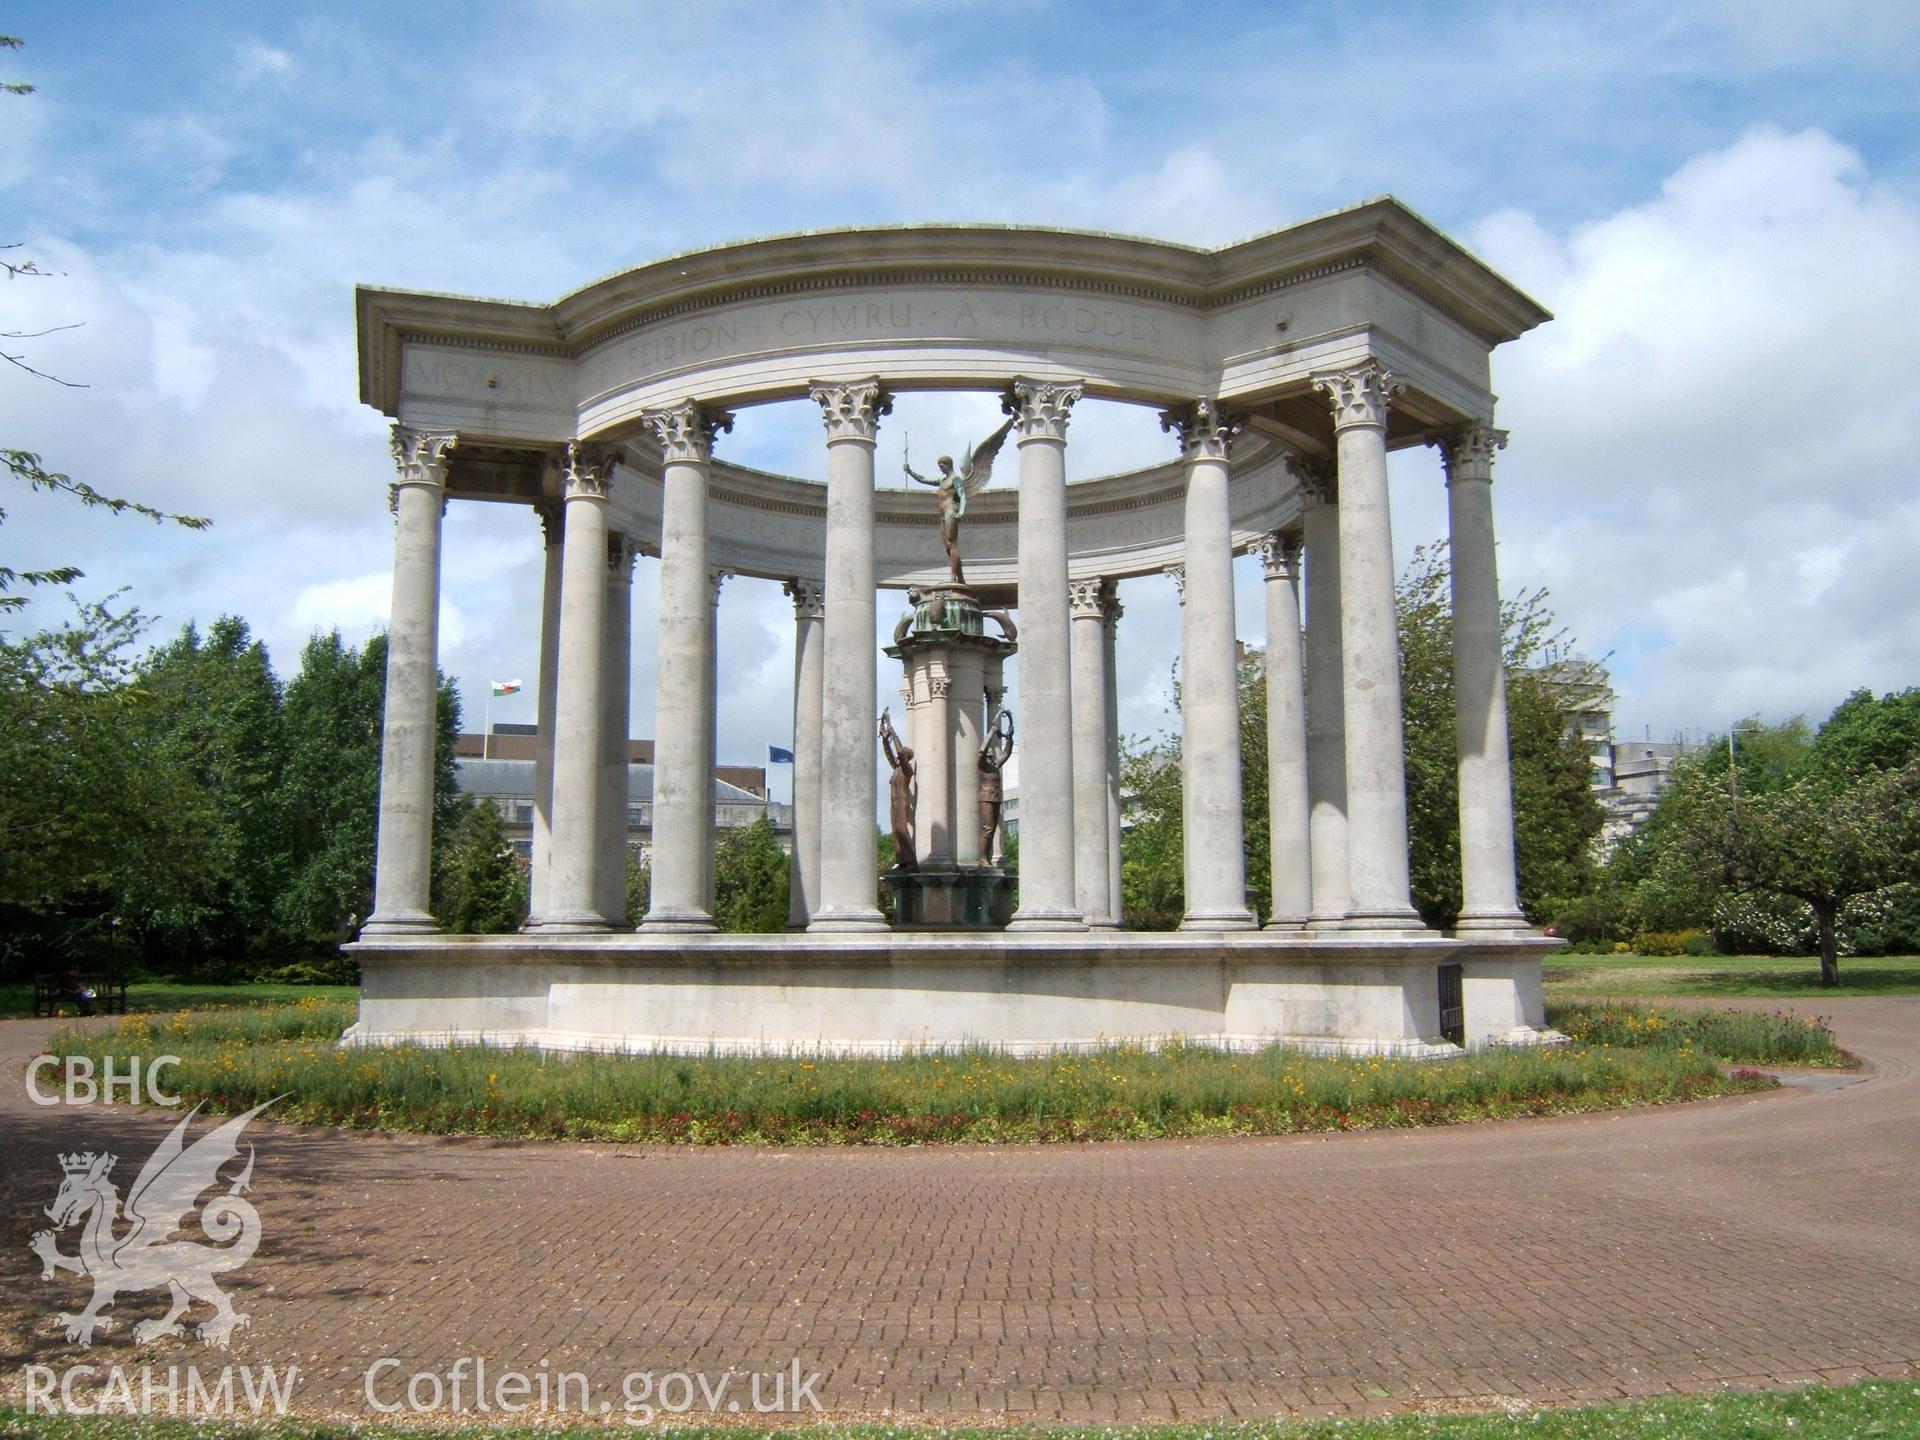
[329, 796]
[480, 880]
[1555, 812]
[1816, 840]
[1864, 733]
[1152, 859]
[750, 876]
[1658, 873]
[215, 710]
[94, 812]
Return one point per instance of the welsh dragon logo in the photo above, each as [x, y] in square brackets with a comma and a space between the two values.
[140, 1256]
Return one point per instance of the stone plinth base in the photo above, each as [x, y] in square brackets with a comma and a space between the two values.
[887, 992]
[943, 896]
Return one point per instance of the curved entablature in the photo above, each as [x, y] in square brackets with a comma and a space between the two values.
[774, 526]
[963, 307]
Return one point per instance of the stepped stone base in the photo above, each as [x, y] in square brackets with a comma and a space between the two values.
[892, 991]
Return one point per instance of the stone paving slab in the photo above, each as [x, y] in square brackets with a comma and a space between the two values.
[1746, 1242]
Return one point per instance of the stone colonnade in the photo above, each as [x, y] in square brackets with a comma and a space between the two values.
[1336, 781]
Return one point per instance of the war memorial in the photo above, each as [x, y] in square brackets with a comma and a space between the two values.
[1283, 368]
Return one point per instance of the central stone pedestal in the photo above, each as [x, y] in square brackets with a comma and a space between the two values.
[952, 687]
[940, 895]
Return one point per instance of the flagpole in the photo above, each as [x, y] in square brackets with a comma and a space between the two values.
[486, 735]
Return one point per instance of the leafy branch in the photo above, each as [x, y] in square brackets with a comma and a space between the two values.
[13, 87]
[25, 465]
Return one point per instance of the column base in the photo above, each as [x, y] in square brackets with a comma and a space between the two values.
[583, 922]
[1218, 920]
[401, 922]
[1025, 919]
[1394, 921]
[848, 917]
[680, 920]
[1508, 921]
[1327, 920]
[1290, 923]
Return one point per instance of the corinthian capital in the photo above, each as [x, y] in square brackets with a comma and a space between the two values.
[1279, 554]
[421, 456]
[1359, 396]
[1040, 408]
[1177, 574]
[1087, 598]
[851, 409]
[584, 471]
[621, 553]
[809, 598]
[1467, 452]
[685, 431]
[1318, 479]
[1206, 430]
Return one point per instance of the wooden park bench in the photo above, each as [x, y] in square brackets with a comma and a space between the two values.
[51, 992]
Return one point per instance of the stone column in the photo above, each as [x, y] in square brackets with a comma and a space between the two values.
[683, 698]
[1091, 873]
[550, 526]
[403, 861]
[1288, 806]
[969, 696]
[1325, 697]
[572, 895]
[610, 854]
[849, 864]
[803, 880]
[1490, 888]
[994, 691]
[1047, 886]
[716, 581]
[1109, 629]
[1213, 819]
[1377, 864]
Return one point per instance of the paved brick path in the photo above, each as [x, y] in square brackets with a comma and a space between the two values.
[1753, 1241]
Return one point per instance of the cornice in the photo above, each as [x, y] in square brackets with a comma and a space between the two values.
[1382, 236]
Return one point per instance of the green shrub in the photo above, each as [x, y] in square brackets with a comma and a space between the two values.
[322, 969]
[1599, 917]
[1671, 942]
[1700, 942]
[1589, 947]
[1765, 925]
[1886, 922]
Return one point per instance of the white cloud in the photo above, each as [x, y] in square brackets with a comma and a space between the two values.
[1712, 459]
[255, 60]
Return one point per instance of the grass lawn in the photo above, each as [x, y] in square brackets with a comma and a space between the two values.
[147, 996]
[235, 1059]
[1765, 977]
[1851, 1412]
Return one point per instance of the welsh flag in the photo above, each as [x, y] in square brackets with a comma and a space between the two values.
[506, 687]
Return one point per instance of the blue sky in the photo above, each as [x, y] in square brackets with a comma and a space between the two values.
[1711, 465]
